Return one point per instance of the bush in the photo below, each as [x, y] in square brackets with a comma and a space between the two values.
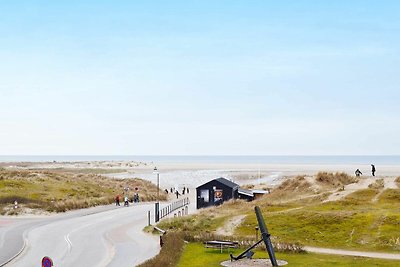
[299, 183]
[378, 184]
[335, 179]
[170, 252]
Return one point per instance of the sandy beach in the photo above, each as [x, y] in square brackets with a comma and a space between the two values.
[191, 175]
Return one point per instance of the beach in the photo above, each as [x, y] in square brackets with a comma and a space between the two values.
[192, 174]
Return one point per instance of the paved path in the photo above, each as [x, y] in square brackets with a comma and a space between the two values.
[102, 236]
[377, 255]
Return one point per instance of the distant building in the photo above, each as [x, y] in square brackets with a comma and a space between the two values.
[259, 193]
[215, 192]
[246, 194]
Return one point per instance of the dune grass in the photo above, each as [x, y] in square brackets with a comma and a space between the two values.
[58, 191]
[195, 255]
[170, 252]
[80, 170]
[335, 179]
[366, 220]
[355, 222]
[352, 223]
[377, 184]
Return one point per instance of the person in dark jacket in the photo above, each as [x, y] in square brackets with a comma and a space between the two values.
[373, 169]
[358, 172]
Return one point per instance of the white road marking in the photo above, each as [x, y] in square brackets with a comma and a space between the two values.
[69, 243]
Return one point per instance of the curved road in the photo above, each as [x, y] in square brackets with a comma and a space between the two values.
[103, 236]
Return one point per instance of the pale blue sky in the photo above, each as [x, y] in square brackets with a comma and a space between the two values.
[200, 77]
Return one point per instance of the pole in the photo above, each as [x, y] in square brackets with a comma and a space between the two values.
[157, 212]
[157, 206]
[158, 196]
[158, 186]
[148, 216]
[266, 236]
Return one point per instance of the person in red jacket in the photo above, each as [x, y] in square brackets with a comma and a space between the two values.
[117, 201]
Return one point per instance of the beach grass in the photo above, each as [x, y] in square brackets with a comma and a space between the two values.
[367, 219]
[352, 223]
[62, 191]
[195, 255]
[170, 253]
[80, 170]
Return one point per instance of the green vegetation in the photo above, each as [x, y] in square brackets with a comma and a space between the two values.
[352, 223]
[398, 181]
[378, 184]
[195, 255]
[81, 170]
[196, 223]
[170, 252]
[58, 191]
[364, 220]
[296, 215]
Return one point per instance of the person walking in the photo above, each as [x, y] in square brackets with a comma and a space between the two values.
[373, 169]
[117, 201]
[358, 172]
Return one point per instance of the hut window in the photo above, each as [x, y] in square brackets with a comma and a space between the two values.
[205, 194]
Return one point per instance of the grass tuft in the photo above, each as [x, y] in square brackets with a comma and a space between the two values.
[335, 179]
[378, 184]
[59, 192]
[170, 252]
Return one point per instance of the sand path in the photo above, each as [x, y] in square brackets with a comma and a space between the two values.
[389, 183]
[377, 255]
[229, 227]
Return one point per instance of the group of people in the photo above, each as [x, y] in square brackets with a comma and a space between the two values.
[134, 199]
[185, 190]
[358, 172]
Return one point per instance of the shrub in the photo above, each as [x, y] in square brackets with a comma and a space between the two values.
[299, 183]
[335, 179]
[170, 252]
[378, 184]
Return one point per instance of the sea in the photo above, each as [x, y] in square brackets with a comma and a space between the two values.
[227, 159]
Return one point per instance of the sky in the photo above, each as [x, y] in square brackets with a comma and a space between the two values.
[199, 77]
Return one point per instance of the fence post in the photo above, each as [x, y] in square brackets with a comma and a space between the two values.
[148, 216]
[157, 212]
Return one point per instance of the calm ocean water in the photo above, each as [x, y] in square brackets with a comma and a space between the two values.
[381, 160]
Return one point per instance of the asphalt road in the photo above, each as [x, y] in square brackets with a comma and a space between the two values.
[102, 236]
